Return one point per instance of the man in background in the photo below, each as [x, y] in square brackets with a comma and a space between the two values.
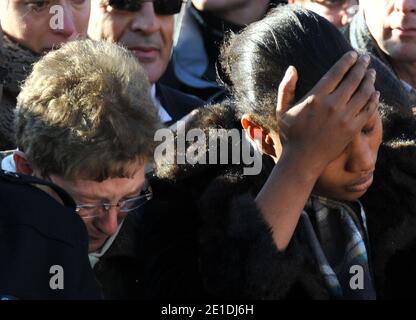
[29, 32]
[146, 29]
[387, 29]
[193, 68]
[338, 12]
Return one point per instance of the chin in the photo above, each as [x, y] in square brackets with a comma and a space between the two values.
[154, 73]
[352, 196]
[402, 51]
[94, 245]
[345, 196]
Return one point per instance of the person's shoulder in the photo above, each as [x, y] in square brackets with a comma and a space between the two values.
[42, 237]
[13, 180]
[42, 206]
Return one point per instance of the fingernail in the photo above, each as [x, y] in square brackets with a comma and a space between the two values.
[366, 59]
[373, 73]
[353, 54]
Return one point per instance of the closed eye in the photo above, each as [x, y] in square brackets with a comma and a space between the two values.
[37, 5]
[367, 131]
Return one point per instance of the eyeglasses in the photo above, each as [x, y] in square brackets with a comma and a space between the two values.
[350, 7]
[336, 3]
[333, 2]
[87, 211]
[162, 7]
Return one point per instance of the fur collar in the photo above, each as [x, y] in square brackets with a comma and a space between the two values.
[219, 116]
[389, 203]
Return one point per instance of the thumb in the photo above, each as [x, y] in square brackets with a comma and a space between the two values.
[286, 91]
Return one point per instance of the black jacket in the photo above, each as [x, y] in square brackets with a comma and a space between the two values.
[202, 235]
[37, 233]
[237, 256]
[154, 255]
[176, 103]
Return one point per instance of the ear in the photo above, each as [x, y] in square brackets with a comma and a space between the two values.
[22, 165]
[259, 136]
[345, 19]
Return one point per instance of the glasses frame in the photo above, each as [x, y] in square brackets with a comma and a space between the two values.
[103, 208]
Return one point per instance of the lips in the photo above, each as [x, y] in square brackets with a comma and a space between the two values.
[362, 184]
[145, 54]
[405, 31]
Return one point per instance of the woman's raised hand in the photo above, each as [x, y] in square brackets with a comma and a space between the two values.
[322, 124]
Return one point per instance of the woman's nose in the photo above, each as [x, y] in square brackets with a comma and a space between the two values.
[362, 157]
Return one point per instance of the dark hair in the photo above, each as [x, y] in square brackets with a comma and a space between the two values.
[255, 61]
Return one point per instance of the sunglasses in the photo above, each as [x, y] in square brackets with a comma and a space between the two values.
[162, 7]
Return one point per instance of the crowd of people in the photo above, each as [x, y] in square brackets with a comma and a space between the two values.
[322, 91]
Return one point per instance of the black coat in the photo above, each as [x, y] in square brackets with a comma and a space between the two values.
[36, 233]
[176, 103]
[138, 264]
[237, 256]
[203, 236]
[154, 255]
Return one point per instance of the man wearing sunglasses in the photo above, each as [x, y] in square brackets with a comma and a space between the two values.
[146, 28]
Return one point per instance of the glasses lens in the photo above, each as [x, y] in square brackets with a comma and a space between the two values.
[167, 7]
[162, 7]
[127, 5]
[87, 212]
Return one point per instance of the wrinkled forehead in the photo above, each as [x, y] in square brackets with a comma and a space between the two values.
[109, 189]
